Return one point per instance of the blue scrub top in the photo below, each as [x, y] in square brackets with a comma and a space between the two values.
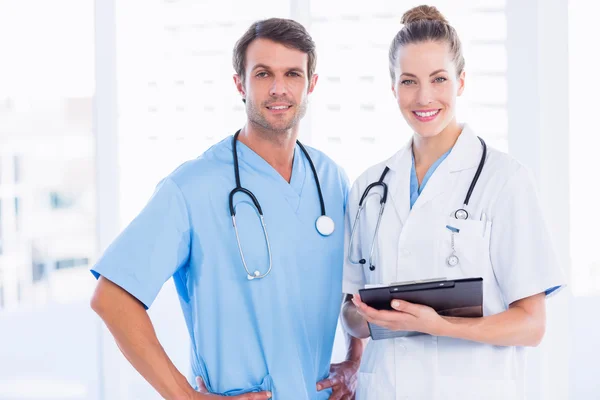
[271, 334]
[415, 189]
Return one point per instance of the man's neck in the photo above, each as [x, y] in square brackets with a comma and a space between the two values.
[276, 148]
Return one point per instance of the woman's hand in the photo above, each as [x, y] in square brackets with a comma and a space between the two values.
[405, 317]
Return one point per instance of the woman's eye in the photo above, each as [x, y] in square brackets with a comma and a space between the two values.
[440, 79]
[407, 82]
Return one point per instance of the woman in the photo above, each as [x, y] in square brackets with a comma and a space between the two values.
[424, 233]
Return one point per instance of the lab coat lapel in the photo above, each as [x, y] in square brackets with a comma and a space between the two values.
[440, 182]
[399, 184]
[465, 154]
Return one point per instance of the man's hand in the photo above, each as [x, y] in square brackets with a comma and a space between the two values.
[204, 394]
[343, 379]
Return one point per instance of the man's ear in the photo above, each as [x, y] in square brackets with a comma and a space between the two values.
[239, 84]
[313, 82]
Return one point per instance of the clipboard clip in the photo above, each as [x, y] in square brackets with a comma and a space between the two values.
[417, 286]
[417, 281]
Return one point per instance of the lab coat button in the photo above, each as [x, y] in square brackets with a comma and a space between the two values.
[404, 252]
[402, 350]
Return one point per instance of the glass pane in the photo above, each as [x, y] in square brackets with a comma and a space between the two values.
[584, 144]
[354, 116]
[175, 89]
[46, 150]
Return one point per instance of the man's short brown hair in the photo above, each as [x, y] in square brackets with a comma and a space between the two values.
[284, 31]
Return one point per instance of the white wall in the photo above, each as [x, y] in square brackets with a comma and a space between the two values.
[49, 353]
[64, 352]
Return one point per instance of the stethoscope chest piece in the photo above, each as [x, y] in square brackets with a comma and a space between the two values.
[251, 277]
[452, 260]
[325, 225]
[461, 214]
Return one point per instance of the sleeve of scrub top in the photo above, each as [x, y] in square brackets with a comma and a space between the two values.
[354, 277]
[152, 248]
[522, 254]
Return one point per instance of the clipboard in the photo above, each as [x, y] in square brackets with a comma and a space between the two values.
[452, 298]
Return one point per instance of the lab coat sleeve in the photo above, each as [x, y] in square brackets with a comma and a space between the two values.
[152, 247]
[522, 255]
[354, 278]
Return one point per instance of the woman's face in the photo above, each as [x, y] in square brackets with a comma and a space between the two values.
[426, 87]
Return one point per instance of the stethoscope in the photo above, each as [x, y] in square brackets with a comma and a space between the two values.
[324, 224]
[461, 213]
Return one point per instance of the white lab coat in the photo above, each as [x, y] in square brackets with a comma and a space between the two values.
[504, 241]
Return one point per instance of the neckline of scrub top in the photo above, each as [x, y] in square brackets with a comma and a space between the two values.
[291, 190]
[415, 189]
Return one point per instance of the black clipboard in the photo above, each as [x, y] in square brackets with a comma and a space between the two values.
[452, 298]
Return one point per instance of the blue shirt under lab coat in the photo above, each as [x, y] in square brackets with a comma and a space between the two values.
[415, 188]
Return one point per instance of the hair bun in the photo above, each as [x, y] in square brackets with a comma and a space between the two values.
[423, 13]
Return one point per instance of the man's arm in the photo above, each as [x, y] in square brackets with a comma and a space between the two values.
[343, 377]
[354, 323]
[134, 333]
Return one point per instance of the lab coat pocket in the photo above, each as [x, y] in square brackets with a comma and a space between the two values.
[469, 241]
[462, 359]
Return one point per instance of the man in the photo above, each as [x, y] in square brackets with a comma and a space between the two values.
[261, 302]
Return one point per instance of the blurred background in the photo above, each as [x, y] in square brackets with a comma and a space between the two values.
[100, 100]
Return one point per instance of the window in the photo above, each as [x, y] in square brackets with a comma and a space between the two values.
[71, 263]
[355, 118]
[1, 229]
[46, 139]
[584, 145]
[38, 271]
[16, 169]
[17, 210]
[60, 201]
[175, 90]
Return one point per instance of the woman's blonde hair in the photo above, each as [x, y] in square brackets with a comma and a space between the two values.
[423, 24]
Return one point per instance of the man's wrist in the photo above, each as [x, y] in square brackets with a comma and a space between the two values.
[189, 394]
[355, 350]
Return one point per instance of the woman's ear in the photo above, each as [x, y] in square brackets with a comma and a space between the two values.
[461, 83]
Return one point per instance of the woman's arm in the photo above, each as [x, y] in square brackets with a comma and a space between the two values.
[523, 324]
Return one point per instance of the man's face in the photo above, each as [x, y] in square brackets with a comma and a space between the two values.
[276, 85]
